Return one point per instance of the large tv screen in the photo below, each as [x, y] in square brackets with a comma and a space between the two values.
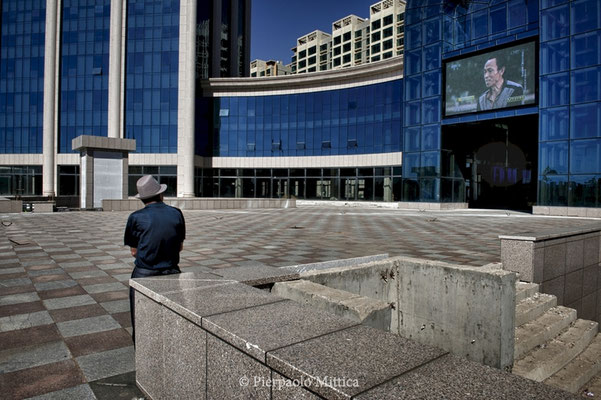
[499, 78]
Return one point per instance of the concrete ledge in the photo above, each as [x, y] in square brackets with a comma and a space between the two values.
[554, 233]
[367, 311]
[432, 206]
[345, 262]
[350, 204]
[103, 143]
[11, 206]
[204, 203]
[468, 311]
[45, 207]
[588, 212]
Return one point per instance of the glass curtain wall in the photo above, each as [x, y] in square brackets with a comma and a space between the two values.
[351, 184]
[570, 114]
[21, 75]
[151, 77]
[166, 174]
[20, 180]
[359, 120]
[84, 69]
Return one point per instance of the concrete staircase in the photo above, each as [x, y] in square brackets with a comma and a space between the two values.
[551, 344]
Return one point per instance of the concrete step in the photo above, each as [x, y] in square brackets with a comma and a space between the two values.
[533, 307]
[542, 329]
[524, 290]
[544, 361]
[582, 369]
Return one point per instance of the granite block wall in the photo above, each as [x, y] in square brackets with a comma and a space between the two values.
[204, 336]
[566, 264]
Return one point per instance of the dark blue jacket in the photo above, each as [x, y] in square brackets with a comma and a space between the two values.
[157, 231]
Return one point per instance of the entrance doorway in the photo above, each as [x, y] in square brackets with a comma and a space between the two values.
[496, 159]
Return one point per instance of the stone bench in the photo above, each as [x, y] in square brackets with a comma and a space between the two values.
[210, 335]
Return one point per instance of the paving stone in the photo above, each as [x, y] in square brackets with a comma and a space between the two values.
[12, 270]
[109, 296]
[98, 342]
[87, 282]
[32, 356]
[19, 298]
[40, 380]
[29, 336]
[40, 270]
[53, 285]
[87, 325]
[80, 392]
[119, 386]
[22, 321]
[50, 278]
[116, 306]
[87, 274]
[67, 256]
[112, 266]
[76, 264]
[56, 293]
[16, 282]
[70, 301]
[100, 258]
[21, 308]
[122, 277]
[72, 313]
[104, 287]
[108, 363]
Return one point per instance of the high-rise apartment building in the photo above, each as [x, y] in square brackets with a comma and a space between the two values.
[354, 40]
[312, 53]
[387, 35]
[350, 36]
[261, 68]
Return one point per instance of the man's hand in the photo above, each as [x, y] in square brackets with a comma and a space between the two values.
[134, 251]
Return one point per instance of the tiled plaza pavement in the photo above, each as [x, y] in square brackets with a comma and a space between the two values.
[64, 313]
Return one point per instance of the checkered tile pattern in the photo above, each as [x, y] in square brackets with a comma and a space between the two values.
[64, 312]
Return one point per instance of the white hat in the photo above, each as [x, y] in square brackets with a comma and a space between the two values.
[149, 187]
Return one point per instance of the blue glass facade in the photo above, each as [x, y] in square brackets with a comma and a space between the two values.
[84, 70]
[151, 78]
[570, 110]
[21, 75]
[569, 107]
[360, 120]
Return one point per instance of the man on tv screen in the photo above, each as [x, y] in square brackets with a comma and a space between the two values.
[501, 92]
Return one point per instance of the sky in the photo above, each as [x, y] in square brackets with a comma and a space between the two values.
[276, 24]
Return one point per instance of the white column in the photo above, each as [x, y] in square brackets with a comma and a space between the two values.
[48, 126]
[186, 98]
[114, 106]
